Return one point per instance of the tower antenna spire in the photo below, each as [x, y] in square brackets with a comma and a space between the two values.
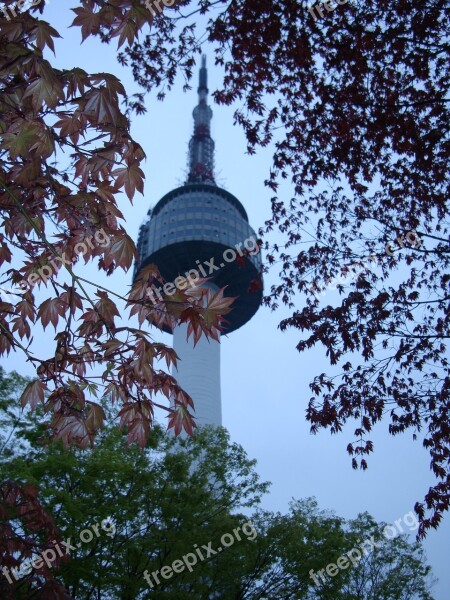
[201, 144]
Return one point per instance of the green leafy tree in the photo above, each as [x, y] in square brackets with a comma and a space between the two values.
[130, 513]
[164, 501]
[11, 415]
[395, 570]
[160, 505]
[295, 550]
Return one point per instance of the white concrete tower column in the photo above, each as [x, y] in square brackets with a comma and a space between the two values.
[198, 373]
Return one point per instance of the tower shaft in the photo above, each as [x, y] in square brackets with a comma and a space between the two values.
[198, 373]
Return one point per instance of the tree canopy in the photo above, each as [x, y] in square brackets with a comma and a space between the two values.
[128, 513]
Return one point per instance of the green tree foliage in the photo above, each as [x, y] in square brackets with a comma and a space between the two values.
[297, 546]
[395, 571]
[174, 497]
[11, 415]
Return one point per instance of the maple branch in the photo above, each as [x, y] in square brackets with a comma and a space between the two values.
[199, 10]
[54, 252]
[9, 335]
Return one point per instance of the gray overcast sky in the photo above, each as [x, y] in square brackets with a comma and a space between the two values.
[264, 379]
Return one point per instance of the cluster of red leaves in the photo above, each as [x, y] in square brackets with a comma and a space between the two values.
[24, 527]
[46, 113]
[356, 103]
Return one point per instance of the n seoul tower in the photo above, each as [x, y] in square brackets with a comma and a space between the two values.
[188, 227]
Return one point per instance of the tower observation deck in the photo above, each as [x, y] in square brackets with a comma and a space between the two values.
[189, 226]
